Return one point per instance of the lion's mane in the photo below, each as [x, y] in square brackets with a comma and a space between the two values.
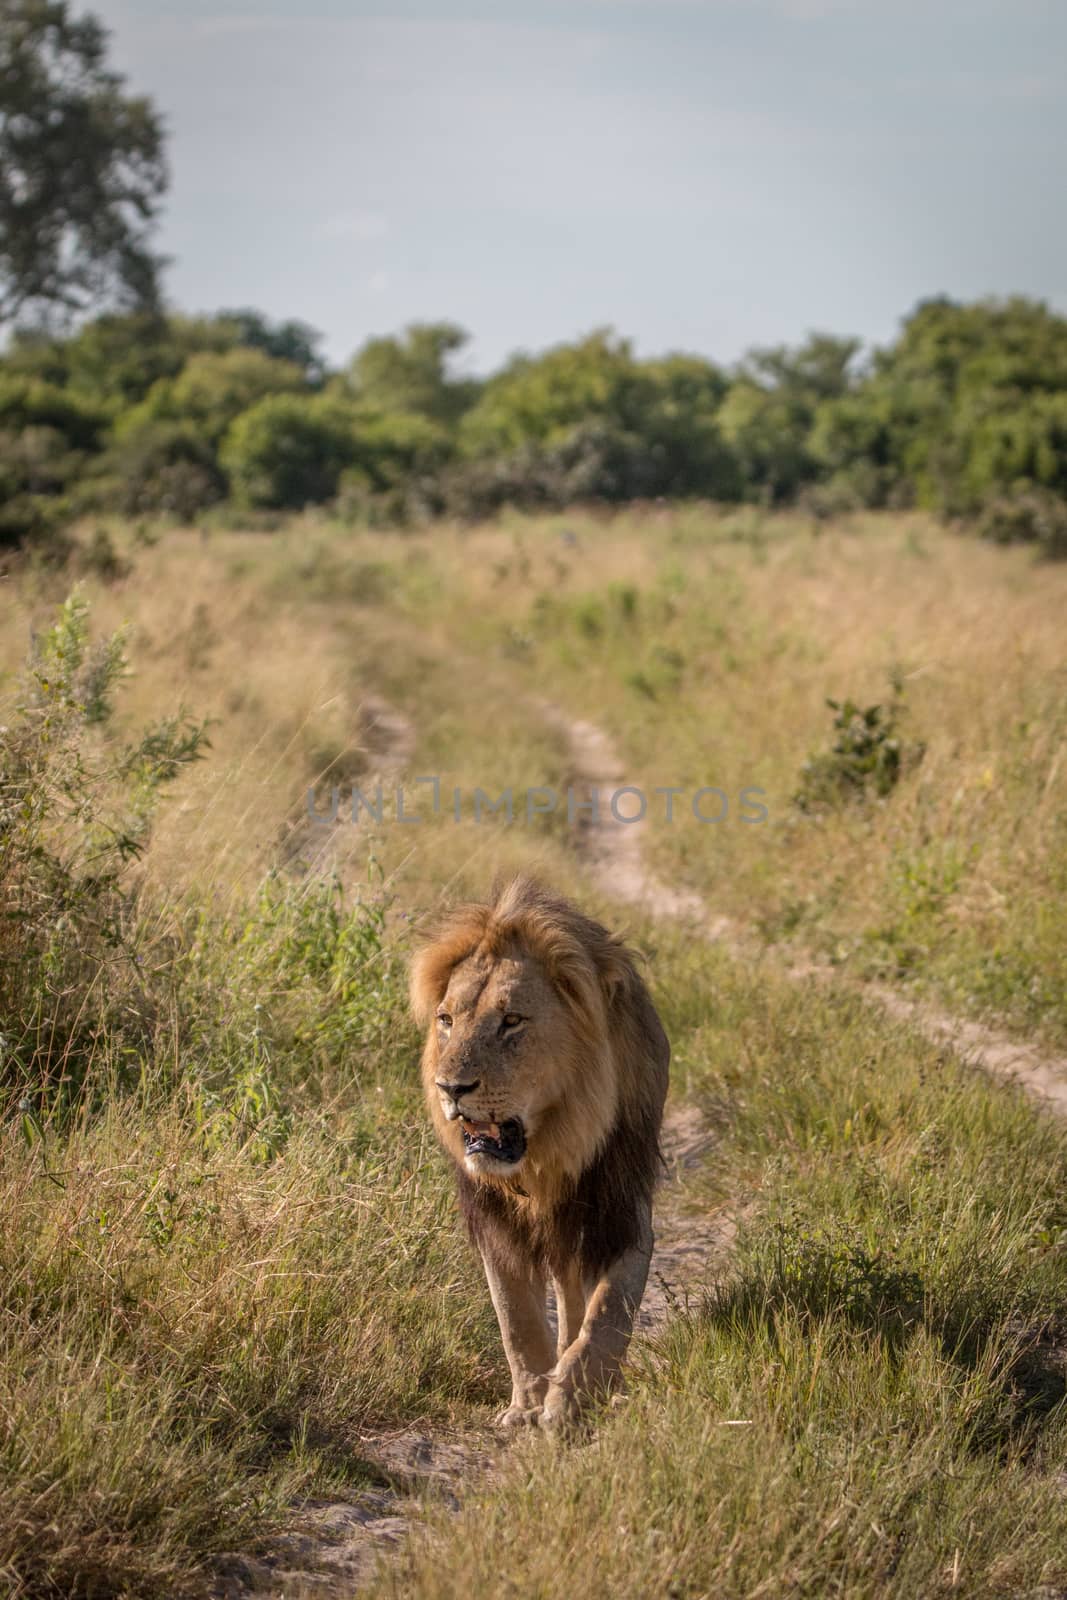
[599, 1156]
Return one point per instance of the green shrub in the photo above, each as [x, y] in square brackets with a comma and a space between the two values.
[289, 451]
[31, 402]
[1029, 516]
[411, 374]
[213, 388]
[767, 432]
[164, 466]
[47, 440]
[75, 811]
[868, 755]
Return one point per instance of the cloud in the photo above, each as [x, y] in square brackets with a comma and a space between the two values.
[360, 225]
[378, 282]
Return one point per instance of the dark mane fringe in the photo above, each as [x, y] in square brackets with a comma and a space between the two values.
[594, 1221]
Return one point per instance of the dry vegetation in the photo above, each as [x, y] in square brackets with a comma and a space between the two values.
[226, 1247]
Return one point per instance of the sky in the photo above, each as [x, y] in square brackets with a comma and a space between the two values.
[703, 175]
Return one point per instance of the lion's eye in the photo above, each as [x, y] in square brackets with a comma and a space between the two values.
[512, 1019]
[444, 1019]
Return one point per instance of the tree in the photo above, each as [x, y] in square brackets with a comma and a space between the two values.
[115, 360]
[588, 421]
[819, 369]
[212, 389]
[411, 373]
[81, 169]
[767, 430]
[289, 450]
[285, 341]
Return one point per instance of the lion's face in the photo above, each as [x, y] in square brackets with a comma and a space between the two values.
[499, 1042]
[536, 1029]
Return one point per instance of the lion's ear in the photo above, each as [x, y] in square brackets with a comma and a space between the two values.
[615, 969]
[457, 938]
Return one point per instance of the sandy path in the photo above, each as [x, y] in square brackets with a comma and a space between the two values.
[386, 741]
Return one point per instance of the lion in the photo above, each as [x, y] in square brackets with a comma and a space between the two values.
[545, 1070]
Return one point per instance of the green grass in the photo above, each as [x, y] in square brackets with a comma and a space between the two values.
[709, 653]
[228, 1249]
[192, 1338]
[216, 1274]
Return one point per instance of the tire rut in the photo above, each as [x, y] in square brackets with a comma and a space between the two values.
[613, 850]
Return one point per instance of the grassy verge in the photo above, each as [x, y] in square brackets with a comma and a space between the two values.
[192, 1340]
[226, 1246]
[708, 644]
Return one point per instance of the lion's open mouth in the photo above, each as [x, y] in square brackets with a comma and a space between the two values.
[505, 1141]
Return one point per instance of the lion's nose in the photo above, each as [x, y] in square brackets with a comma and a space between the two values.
[454, 1090]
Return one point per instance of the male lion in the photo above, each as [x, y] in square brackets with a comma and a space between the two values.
[545, 1069]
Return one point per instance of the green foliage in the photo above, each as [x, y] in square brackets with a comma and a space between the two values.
[969, 397]
[868, 755]
[81, 167]
[114, 360]
[75, 809]
[589, 422]
[28, 402]
[1009, 441]
[289, 451]
[766, 431]
[164, 466]
[820, 369]
[290, 341]
[411, 373]
[212, 389]
[966, 413]
[47, 439]
[397, 465]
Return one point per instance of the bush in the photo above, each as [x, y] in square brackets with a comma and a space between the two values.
[75, 811]
[593, 460]
[165, 466]
[587, 421]
[213, 388]
[31, 402]
[767, 432]
[1029, 516]
[47, 437]
[868, 755]
[289, 451]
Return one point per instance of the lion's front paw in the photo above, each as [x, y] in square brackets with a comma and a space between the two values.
[561, 1410]
[519, 1417]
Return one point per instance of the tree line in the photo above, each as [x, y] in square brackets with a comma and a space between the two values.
[965, 413]
[143, 412]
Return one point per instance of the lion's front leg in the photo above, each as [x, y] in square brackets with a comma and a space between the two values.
[570, 1306]
[521, 1310]
[592, 1364]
